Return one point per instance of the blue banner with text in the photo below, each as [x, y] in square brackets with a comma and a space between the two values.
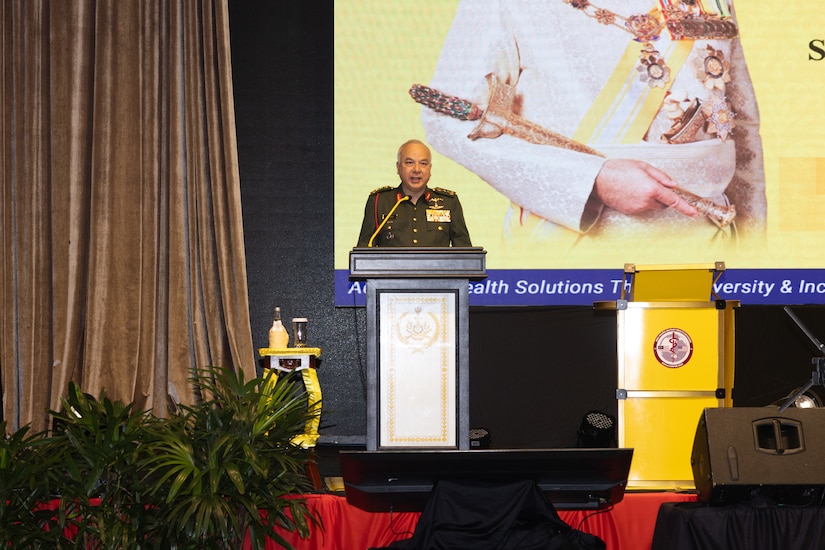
[582, 287]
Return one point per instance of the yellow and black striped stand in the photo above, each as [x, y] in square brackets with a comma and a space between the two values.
[303, 360]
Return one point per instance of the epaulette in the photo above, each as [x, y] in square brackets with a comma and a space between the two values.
[444, 191]
[381, 189]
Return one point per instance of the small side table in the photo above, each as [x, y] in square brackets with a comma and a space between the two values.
[303, 360]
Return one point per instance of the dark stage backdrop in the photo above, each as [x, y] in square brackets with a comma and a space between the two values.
[530, 395]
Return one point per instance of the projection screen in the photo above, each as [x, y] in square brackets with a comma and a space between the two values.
[525, 103]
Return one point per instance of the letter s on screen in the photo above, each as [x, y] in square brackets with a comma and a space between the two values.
[817, 46]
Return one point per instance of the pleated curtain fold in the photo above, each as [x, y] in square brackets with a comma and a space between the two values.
[123, 263]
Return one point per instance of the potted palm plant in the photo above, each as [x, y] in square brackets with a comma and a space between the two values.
[212, 475]
[97, 445]
[26, 520]
[228, 468]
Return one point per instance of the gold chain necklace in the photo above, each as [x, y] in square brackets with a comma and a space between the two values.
[645, 28]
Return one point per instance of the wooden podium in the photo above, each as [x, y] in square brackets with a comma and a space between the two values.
[417, 344]
[675, 343]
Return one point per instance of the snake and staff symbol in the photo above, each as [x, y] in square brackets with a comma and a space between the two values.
[673, 347]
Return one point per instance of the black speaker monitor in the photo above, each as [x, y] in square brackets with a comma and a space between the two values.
[382, 481]
[742, 452]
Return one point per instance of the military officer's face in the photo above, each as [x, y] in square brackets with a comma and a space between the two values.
[414, 168]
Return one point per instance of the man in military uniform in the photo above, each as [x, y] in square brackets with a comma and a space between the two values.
[412, 214]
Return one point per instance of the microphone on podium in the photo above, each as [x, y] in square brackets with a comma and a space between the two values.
[387, 217]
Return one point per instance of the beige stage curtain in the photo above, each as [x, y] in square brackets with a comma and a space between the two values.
[123, 264]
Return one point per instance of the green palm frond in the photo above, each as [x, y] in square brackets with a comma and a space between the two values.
[204, 477]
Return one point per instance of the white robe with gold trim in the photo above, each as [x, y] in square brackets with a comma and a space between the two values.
[560, 60]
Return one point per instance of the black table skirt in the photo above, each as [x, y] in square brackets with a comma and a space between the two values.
[752, 525]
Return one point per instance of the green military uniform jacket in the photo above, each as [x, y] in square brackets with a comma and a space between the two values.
[436, 220]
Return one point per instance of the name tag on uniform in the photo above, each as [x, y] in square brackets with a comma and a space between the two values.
[438, 215]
